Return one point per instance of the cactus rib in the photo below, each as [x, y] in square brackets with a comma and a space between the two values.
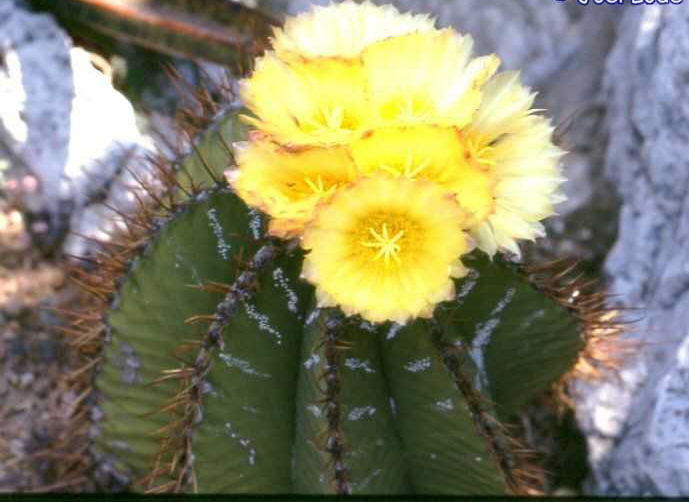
[520, 479]
[334, 441]
[190, 398]
[241, 290]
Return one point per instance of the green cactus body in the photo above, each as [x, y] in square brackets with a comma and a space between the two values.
[220, 375]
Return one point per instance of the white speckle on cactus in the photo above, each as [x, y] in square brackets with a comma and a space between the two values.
[120, 445]
[357, 414]
[313, 360]
[207, 388]
[243, 366]
[445, 405]
[434, 456]
[313, 316]
[468, 284]
[380, 442]
[356, 364]
[479, 459]
[244, 443]
[418, 366]
[484, 331]
[504, 302]
[255, 224]
[393, 407]
[394, 329]
[367, 326]
[250, 409]
[262, 321]
[315, 410]
[534, 316]
[223, 247]
[281, 282]
[367, 480]
[128, 362]
[182, 261]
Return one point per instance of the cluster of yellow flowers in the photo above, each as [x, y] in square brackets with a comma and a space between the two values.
[389, 151]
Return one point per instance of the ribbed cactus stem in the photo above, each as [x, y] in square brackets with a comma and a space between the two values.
[270, 397]
[503, 448]
[241, 290]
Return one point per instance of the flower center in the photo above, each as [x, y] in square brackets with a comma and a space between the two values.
[406, 108]
[387, 245]
[409, 169]
[479, 150]
[331, 118]
[317, 186]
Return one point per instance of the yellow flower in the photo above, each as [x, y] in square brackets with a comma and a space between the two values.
[307, 102]
[287, 185]
[302, 96]
[438, 154]
[343, 30]
[388, 95]
[425, 78]
[517, 145]
[386, 248]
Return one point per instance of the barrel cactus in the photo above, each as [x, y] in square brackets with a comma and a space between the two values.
[324, 304]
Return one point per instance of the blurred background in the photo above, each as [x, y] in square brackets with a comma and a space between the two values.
[86, 93]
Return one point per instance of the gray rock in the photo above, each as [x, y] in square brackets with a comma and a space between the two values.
[60, 118]
[637, 423]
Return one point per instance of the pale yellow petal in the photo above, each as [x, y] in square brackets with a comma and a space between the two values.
[344, 29]
[319, 102]
[425, 78]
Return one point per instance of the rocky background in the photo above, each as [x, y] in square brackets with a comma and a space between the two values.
[615, 79]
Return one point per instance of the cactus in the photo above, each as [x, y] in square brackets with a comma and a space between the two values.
[211, 366]
[210, 369]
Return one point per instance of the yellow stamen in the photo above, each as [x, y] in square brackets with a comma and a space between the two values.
[388, 246]
[412, 172]
[390, 169]
[333, 117]
[318, 186]
[480, 152]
